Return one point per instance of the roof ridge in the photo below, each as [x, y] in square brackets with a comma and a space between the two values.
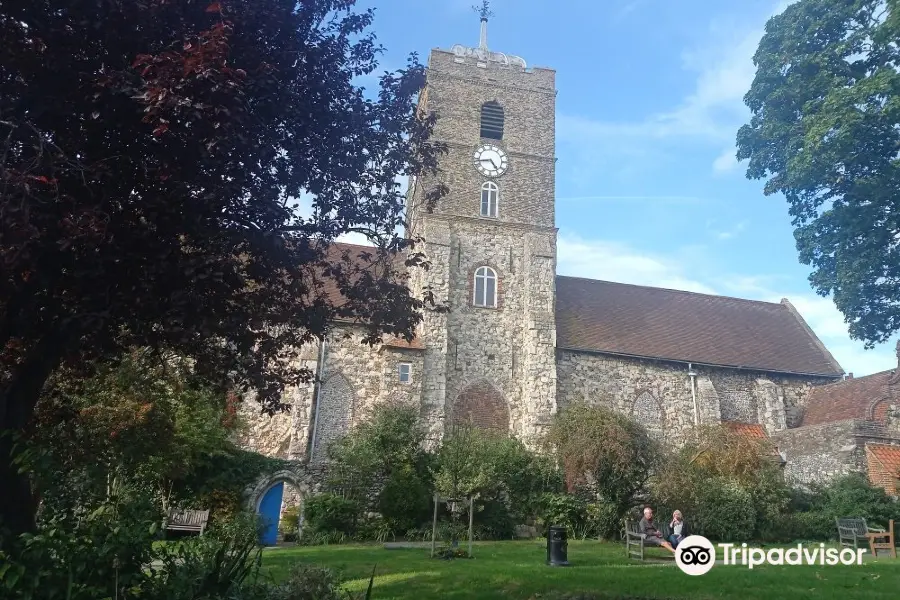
[851, 380]
[663, 289]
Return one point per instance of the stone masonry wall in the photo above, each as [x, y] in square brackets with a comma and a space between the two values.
[820, 453]
[659, 393]
[356, 378]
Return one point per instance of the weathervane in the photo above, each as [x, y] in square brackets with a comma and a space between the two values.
[485, 13]
[481, 54]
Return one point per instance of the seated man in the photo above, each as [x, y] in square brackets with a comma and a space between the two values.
[652, 535]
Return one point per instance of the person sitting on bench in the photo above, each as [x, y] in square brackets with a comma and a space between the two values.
[652, 535]
[680, 529]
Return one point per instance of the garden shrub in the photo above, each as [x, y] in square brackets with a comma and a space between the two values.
[405, 500]
[217, 564]
[604, 451]
[326, 513]
[289, 525]
[308, 582]
[725, 511]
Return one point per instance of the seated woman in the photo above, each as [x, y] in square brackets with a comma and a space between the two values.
[679, 529]
[652, 535]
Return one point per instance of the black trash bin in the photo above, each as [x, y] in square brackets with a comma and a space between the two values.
[557, 547]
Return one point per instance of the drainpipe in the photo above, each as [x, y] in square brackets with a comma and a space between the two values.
[693, 375]
[320, 374]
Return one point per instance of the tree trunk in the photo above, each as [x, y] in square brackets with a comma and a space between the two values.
[18, 399]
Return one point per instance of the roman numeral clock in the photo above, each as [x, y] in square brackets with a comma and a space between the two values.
[491, 161]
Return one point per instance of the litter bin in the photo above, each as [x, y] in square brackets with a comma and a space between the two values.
[557, 547]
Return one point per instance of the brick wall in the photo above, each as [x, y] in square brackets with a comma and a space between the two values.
[481, 405]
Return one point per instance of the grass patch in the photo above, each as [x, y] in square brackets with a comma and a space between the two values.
[598, 570]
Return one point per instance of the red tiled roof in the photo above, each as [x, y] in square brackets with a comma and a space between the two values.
[883, 462]
[633, 320]
[358, 255]
[750, 430]
[415, 344]
[848, 399]
[753, 431]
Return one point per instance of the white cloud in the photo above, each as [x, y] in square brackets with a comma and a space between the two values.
[713, 111]
[612, 261]
[727, 233]
[726, 162]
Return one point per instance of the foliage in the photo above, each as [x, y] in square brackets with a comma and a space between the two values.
[605, 452]
[506, 478]
[825, 106]
[405, 500]
[290, 524]
[87, 554]
[724, 511]
[583, 517]
[152, 203]
[217, 564]
[218, 481]
[381, 464]
[308, 582]
[331, 513]
[846, 497]
[718, 461]
[135, 419]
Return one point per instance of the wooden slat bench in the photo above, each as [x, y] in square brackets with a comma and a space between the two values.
[186, 520]
[852, 531]
[634, 539]
[883, 540]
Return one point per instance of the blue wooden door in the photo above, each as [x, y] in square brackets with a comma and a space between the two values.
[270, 511]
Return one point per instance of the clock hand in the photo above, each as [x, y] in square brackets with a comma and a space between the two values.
[492, 162]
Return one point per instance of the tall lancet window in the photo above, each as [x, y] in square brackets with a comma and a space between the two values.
[490, 194]
[492, 120]
[485, 287]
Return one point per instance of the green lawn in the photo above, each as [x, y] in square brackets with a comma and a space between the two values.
[517, 570]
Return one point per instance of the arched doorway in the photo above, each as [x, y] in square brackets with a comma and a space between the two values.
[481, 405]
[271, 497]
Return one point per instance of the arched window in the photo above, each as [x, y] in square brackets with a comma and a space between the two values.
[492, 120]
[490, 194]
[485, 287]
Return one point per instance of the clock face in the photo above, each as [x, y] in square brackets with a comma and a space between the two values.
[491, 161]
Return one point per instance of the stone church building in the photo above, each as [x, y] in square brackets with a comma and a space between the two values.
[521, 342]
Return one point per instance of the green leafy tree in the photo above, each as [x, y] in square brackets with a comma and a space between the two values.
[825, 131]
[151, 155]
[135, 420]
[603, 452]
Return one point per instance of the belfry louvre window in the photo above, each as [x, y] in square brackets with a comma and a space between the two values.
[492, 120]
[489, 194]
[485, 287]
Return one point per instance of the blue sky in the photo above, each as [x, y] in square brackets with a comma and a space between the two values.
[649, 101]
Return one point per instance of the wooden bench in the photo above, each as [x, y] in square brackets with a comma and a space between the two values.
[852, 531]
[883, 540]
[186, 520]
[634, 539]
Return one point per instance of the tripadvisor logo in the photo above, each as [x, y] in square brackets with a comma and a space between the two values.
[696, 555]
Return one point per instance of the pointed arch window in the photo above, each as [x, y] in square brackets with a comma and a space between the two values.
[490, 196]
[485, 287]
[492, 120]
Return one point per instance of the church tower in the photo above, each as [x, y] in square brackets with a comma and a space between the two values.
[491, 241]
